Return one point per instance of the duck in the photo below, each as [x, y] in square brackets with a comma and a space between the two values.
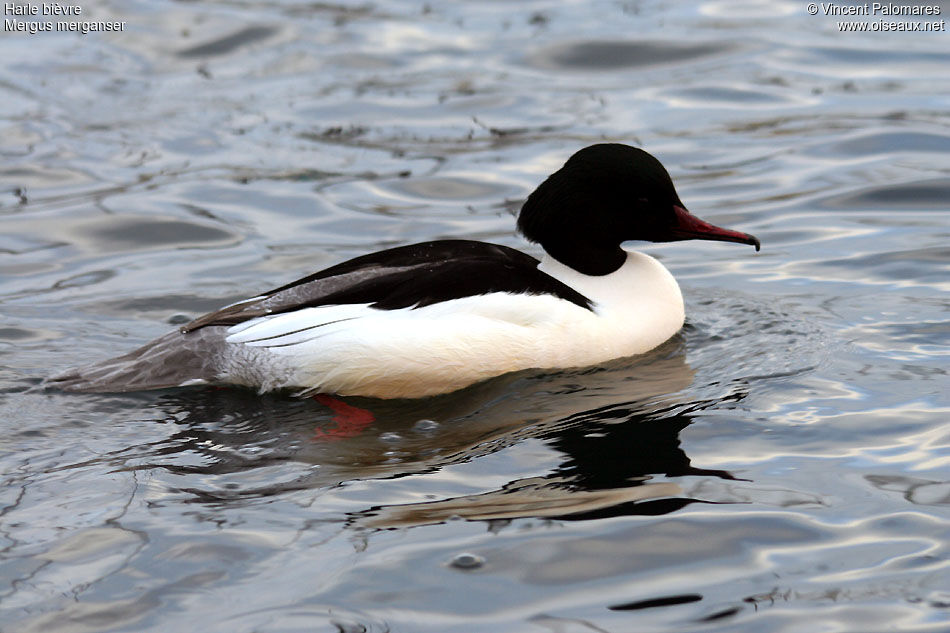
[432, 318]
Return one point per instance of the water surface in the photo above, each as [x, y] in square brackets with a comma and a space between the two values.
[780, 465]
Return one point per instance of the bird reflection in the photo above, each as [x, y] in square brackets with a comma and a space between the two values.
[619, 446]
[616, 428]
[610, 457]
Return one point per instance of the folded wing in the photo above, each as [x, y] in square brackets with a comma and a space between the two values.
[403, 277]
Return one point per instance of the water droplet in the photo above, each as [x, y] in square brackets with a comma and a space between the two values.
[425, 426]
[467, 561]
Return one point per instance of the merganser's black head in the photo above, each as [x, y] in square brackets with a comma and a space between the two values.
[607, 194]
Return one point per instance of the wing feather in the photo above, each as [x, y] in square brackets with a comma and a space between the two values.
[292, 327]
[403, 277]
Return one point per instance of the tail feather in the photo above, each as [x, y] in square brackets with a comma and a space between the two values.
[169, 361]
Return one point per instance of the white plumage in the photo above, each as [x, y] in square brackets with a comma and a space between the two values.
[416, 352]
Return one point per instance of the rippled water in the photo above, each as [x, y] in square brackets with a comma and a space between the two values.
[780, 465]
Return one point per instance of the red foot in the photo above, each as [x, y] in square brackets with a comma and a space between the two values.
[350, 420]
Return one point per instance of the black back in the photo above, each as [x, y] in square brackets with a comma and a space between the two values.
[405, 277]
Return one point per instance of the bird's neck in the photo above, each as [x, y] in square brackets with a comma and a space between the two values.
[642, 285]
[586, 258]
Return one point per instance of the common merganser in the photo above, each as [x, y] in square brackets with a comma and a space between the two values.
[431, 318]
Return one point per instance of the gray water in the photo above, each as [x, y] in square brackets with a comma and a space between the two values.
[780, 465]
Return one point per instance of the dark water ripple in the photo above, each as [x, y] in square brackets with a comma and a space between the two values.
[780, 465]
[614, 55]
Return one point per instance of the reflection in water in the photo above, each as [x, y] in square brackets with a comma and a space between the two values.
[612, 427]
[610, 454]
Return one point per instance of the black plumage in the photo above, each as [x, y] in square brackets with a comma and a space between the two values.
[405, 277]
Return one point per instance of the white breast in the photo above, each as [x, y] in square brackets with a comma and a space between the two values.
[358, 350]
[639, 306]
